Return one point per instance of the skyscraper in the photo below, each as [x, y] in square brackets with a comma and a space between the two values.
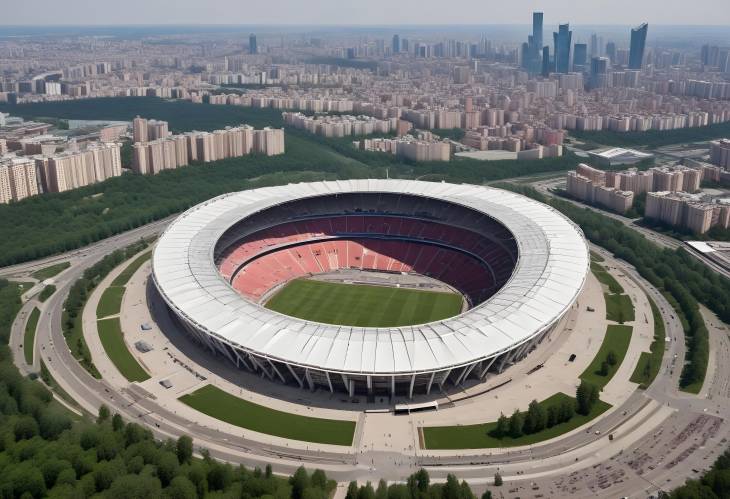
[396, 44]
[252, 46]
[537, 19]
[546, 61]
[611, 52]
[531, 50]
[599, 72]
[562, 40]
[638, 42]
[580, 56]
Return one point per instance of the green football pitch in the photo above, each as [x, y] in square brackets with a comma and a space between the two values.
[363, 305]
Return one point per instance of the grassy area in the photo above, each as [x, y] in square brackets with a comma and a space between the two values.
[47, 292]
[604, 277]
[74, 334]
[649, 362]
[29, 336]
[24, 286]
[52, 271]
[616, 340]
[221, 405]
[123, 278]
[361, 305]
[595, 257]
[112, 339]
[619, 308]
[110, 302]
[479, 436]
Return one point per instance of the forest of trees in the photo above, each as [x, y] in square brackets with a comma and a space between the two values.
[683, 276]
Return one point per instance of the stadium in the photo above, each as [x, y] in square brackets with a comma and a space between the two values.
[379, 287]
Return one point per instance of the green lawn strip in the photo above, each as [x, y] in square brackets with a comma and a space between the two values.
[605, 278]
[479, 436]
[616, 340]
[595, 257]
[221, 405]
[619, 308]
[29, 336]
[363, 305]
[52, 271]
[650, 362]
[74, 335]
[123, 278]
[47, 292]
[110, 302]
[112, 339]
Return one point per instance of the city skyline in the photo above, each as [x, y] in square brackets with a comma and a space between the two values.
[330, 12]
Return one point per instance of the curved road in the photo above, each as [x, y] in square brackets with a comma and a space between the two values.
[548, 458]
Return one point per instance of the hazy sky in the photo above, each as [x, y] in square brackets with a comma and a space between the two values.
[379, 12]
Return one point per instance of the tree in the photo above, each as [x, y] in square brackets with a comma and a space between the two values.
[585, 397]
[117, 423]
[300, 481]
[502, 428]
[566, 410]
[382, 491]
[603, 371]
[268, 472]
[25, 428]
[318, 479]
[181, 488]
[52, 423]
[516, 422]
[535, 419]
[498, 480]
[184, 449]
[487, 495]
[134, 487]
[167, 467]
[220, 476]
[352, 490]
[25, 478]
[553, 416]
[451, 489]
[422, 480]
[612, 358]
[103, 413]
[366, 492]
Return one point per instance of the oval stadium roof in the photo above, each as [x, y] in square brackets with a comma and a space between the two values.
[552, 265]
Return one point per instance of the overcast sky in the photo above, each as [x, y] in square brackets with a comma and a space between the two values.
[716, 12]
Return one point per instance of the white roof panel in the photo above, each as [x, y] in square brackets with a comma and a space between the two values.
[549, 274]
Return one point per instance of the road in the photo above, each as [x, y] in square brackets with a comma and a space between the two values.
[550, 463]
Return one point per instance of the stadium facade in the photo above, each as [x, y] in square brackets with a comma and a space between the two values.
[520, 265]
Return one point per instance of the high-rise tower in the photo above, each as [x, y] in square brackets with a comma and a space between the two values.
[638, 43]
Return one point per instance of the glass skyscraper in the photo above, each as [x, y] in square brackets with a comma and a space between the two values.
[638, 42]
[580, 56]
[562, 40]
[252, 46]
